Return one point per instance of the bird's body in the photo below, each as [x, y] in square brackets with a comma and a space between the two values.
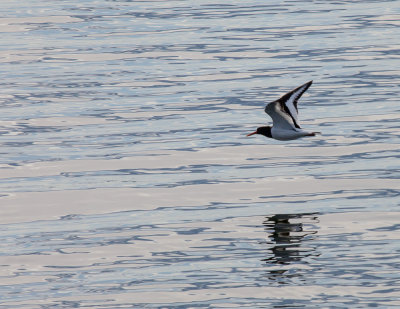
[287, 135]
[284, 114]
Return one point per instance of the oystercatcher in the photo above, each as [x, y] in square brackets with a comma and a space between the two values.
[285, 124]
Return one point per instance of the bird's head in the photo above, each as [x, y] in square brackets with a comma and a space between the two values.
[266, 131]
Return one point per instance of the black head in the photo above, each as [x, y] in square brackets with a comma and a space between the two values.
[266, 131]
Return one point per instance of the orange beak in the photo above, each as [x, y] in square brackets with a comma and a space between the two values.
[255, 132]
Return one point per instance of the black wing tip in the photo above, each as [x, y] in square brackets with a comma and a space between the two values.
[304, 86]
[287, 95]
[308, 84]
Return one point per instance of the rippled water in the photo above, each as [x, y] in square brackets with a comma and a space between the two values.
[127, 180]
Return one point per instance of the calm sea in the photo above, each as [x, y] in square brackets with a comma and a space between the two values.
[127, 179]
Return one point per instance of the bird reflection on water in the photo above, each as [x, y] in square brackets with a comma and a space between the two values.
[290, 239]
[288, 234]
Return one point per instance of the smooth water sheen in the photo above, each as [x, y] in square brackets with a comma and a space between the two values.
[127, 179]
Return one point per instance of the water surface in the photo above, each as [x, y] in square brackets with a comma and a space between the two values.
[127, 180]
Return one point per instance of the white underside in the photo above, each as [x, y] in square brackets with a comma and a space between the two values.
[287, 135]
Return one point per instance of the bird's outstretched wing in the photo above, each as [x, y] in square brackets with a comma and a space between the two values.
[284, 110]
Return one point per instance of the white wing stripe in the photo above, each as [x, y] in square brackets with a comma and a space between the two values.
[290, 102]
[284, 111]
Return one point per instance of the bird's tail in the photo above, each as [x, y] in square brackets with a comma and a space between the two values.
[314, 133]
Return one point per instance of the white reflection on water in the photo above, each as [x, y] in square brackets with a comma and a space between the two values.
[203, 258]
[127, 180]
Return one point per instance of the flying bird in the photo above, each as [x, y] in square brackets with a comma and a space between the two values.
[285, 123]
